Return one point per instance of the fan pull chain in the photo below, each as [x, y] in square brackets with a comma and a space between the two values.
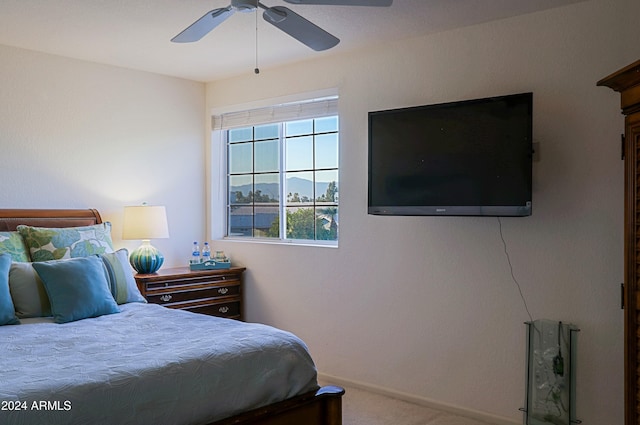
[256, 70]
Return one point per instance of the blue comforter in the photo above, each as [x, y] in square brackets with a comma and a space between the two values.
[146, 365]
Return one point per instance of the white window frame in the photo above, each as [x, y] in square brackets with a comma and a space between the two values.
[292, 109]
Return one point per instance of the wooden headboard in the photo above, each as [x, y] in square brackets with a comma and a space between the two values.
[11, 218]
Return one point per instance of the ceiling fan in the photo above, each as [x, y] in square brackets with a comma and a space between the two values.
[281, 17]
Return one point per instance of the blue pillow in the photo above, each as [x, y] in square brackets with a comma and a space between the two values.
[77, 288]
[121, 281]
[7, 312]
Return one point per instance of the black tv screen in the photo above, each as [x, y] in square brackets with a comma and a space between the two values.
[463, 158]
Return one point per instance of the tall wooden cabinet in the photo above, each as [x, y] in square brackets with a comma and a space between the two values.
[627, 82]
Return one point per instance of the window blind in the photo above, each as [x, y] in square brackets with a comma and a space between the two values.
[314, 108]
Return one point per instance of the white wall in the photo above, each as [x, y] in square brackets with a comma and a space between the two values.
[439, 318]
[76, 134]
[426, 305]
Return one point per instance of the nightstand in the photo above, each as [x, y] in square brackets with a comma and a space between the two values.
[212, 292]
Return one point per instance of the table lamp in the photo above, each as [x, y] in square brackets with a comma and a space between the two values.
[145, 222]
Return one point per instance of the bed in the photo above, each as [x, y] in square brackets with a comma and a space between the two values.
[147, 364]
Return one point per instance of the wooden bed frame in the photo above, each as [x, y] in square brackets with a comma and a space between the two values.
[321, 407]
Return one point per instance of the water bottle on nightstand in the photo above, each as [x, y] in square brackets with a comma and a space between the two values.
[206, 252]
[195, 254]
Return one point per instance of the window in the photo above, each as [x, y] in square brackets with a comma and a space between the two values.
[282, 177]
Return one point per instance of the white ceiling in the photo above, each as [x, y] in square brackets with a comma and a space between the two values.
[136, 33]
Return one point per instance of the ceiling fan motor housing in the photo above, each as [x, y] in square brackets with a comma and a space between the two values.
[244, 5]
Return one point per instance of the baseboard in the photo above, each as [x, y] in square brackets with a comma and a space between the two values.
[422, 401]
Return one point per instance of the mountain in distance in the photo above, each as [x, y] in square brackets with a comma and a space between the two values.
[294, 185]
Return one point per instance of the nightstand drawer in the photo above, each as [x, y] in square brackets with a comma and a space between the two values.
[192, 282]
[229, 309]
[164, 297]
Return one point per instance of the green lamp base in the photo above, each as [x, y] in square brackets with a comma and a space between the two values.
[146, 258]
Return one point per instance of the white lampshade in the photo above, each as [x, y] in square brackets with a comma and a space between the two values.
[145, 222]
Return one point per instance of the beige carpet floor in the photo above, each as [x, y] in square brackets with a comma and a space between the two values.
[366, 408]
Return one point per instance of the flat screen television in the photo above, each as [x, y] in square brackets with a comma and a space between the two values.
[467, 158]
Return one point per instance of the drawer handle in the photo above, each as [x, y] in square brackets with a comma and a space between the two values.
[166, 298]
[223, 291]
[224, 309]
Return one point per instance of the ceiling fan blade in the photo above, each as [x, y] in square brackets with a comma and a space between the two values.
[204, 25]
[299, 28]
[381, 3]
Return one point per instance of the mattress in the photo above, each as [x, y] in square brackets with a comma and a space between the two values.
[146, 365]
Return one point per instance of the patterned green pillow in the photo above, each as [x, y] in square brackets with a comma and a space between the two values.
[49, 243]
[12, 243]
